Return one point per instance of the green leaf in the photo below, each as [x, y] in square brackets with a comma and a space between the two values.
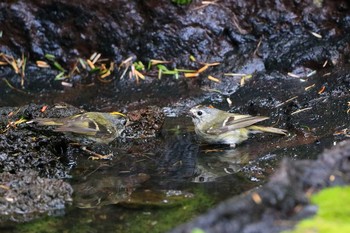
[58, 66]
[50, 57]
[60, 76]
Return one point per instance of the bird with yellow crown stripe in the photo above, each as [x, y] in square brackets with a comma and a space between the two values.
[98, 127]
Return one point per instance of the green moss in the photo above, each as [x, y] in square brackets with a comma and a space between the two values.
[164, 219]
[46, 225]
[333, 214]
[55, 225]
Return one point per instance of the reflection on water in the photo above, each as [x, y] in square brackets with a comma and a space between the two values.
[215, 163]
[106, 190]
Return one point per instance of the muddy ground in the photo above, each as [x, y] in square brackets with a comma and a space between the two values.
[294, 57]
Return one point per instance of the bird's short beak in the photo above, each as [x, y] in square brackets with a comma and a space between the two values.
[190, 113]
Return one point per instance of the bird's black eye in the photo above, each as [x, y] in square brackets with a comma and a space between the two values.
[199, 113]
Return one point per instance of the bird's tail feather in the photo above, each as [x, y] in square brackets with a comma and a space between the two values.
[47, 121]
[267, 129]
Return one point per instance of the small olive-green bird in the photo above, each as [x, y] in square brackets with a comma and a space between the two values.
[215, 126]
[96, 127]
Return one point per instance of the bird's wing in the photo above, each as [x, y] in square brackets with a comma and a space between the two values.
[235, 121]
[81, 125]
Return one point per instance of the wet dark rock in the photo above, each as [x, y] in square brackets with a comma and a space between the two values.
[26, 148]
[24, 151]
[227, 32]
[25, 195]
[284, 198]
